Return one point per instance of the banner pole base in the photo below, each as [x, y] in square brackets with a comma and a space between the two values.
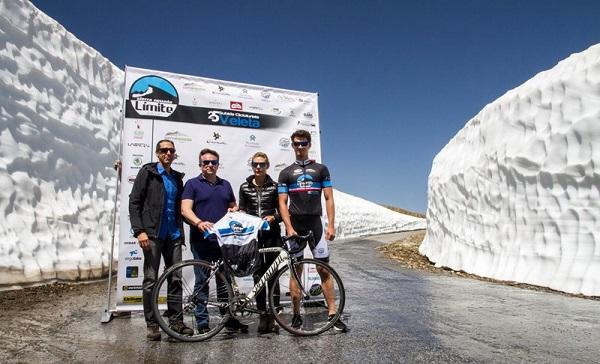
[106, 316]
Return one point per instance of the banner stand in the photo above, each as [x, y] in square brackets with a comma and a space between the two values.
[235, 119]
[107, 314]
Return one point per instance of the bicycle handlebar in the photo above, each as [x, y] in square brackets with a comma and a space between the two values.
[299, 240]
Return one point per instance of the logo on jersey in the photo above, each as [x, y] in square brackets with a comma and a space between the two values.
[153, 96]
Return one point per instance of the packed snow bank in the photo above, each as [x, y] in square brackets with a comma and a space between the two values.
[515, 195]
[59, 113]
[356, 217]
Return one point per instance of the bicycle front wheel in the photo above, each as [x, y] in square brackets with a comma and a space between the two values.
[312, 305]
[191, 300]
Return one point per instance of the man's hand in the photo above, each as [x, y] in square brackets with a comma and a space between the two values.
[204, 225]
[330, 233]
[143, 240]
[290, 231]
[233, 209]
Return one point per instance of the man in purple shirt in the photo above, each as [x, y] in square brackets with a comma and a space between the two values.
[205, 200]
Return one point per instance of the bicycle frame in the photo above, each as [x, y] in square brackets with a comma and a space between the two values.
[282, 257]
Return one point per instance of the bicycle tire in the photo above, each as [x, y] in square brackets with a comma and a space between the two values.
[312, 306]
[189, 303]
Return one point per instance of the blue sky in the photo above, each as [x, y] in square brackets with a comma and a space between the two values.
[396, 79]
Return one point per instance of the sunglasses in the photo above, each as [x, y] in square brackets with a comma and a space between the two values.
[166, 150]
[300, 144]
[214, 162]
[261, 165]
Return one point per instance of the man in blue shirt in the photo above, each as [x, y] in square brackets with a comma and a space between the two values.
[154, 210]
[205, 200]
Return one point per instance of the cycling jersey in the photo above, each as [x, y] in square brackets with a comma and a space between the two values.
[236, 233]
[303, 181]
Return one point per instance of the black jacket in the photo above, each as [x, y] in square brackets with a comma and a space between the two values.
[259, 201]
[147, 198]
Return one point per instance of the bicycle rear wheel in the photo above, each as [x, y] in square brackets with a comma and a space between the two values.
[201, 305]
[314, 306]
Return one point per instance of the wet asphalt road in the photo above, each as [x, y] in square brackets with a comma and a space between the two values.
[395, 315]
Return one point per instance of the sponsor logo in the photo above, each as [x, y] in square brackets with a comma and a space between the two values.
[310, 170]
[178, 136]
[132, 288]
[215, 103]
[220, 91]
[131, 179]
[280, 167]
[215, 139]
[292, 113]
[132, 299]
[153, 96]
[138, 145]
[251, 142]
[137, 161]
[236, 105]
[234, 119]
[257, 108]
[236, 227]
[307, 123]
[133, 255]
[286, 98]
[131, 271]
[298, 171]
[308, 115]
[245, 95]
[194, 86]
[314, 132]
[130, 242]
[138, 133]
[265, 94]
[284, 142]
[276, 110]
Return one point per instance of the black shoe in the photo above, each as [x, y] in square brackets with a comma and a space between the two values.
[153, 333]
[179, 327]
[263, 324]
[297, 321]
[234, 325]
[339, 326]
[203, 330]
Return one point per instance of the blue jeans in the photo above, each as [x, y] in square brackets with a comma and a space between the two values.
[201, 287]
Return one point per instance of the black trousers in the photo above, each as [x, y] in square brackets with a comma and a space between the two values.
[170, 250]
[267, 239]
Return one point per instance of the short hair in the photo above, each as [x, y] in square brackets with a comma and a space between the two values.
[163, 141]
[208, 151]
[300, 133]
[261, 155]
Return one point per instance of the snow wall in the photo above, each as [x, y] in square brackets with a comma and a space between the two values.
[60, 119]
[60, 106]
[515, 195]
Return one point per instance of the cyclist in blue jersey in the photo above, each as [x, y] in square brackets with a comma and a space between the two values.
[302, 184]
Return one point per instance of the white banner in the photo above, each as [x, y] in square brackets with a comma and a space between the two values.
[235, 119]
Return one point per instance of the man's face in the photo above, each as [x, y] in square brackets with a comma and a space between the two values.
[209, 164]
[166, 153]
[301, 147]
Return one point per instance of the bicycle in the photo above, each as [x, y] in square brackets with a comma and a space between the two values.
[215, 297]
